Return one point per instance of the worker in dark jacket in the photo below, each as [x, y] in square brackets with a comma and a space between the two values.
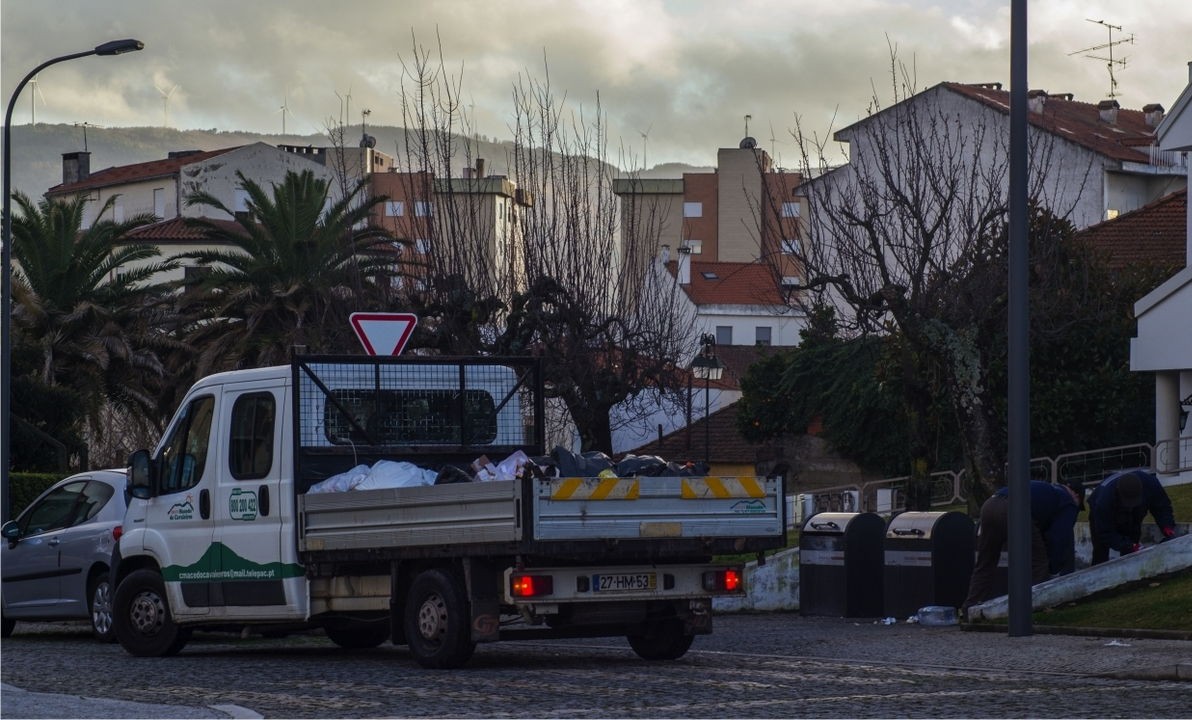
[1053, 514]
[1117, 507]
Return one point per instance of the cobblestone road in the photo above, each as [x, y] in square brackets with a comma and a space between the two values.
[753, 666]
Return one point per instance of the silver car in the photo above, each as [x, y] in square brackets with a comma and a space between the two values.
[56, 555]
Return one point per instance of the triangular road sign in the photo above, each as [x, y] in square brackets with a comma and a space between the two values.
[383, 333]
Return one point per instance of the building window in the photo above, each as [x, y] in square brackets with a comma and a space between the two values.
[693, 209]
[159, 203]
[790, 246]
[422, 246]
[422, 208]
[1111, 214]
[790, 280]
[790, 210]
[695, 246]
[394, 208]
[761, 335]
[118, 213]
[724, 334]
[240, 201]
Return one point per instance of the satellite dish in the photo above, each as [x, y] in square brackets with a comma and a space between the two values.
[748, 143]
[368, 141]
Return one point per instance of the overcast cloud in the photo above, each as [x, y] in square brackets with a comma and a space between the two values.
[685, 71]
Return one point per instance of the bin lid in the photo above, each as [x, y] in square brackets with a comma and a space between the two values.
[913, 525]
[828, 522]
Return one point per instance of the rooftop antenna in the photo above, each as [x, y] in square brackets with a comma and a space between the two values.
[33, 97]
[1110, 61]
[165, 104]
[84, 125]
[747, 119]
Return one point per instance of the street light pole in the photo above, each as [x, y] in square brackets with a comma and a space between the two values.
[707, 367]
[115, 47]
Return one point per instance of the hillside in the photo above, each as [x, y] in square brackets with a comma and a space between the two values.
[37, 149]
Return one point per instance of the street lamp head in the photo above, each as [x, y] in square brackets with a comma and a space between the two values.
[119, 47]
[705, 365]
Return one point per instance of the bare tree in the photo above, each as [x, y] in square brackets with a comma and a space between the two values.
[893, 237]
[530, 261]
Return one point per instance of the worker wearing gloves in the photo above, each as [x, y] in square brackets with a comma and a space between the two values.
[1117, 507]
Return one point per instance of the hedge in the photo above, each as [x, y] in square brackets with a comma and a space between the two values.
[24, 487]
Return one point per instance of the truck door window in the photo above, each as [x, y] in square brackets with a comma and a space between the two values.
[185, 455]
[250, 448]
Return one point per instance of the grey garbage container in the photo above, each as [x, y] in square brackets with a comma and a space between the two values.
[840, 565]
[928, 561]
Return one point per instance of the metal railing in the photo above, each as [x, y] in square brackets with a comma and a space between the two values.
[1089, 467]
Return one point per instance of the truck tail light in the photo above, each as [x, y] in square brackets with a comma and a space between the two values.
[728, 580]
[117, 532]
[525, 586]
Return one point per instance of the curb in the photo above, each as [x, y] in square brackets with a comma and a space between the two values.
[1137, 633]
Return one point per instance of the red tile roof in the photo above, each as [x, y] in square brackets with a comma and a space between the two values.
[1128, 139]
[730, 283]
[719, 434]
[177, 230]
[1155, 233]
[122, 174]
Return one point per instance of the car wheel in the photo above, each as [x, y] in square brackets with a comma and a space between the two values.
[141, 617]
[665, 641]
[437, 622]
[358, 635]
[100, 596]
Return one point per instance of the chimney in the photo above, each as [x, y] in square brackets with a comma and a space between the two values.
[480, 167]
[1109, 111]
[467, 173]
[76, 167]
[664, 254]
[1036, 100]
[684, 265]
[1153, 114]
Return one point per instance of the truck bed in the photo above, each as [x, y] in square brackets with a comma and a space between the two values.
[683, 515]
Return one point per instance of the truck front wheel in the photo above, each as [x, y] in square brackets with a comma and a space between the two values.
[664, 641]
[142, 617]
[437, 621]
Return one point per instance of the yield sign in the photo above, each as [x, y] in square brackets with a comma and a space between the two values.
[383, 333]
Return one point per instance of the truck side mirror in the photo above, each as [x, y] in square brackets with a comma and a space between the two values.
[140, 475]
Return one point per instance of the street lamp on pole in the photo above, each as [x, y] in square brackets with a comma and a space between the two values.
[114, 47]
[707, 367]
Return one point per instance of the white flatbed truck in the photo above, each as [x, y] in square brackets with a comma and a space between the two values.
[222, 533]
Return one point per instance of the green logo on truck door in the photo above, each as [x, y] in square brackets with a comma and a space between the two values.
[242, 505]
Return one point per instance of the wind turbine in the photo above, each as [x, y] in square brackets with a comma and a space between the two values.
[285, 108]
[645, 139]
[165, 104]
[33, 97]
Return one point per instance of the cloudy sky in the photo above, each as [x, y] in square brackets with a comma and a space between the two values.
[675, 77]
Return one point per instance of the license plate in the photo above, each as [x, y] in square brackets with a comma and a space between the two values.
[618, 582]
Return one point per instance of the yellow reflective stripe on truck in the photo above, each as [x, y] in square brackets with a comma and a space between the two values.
[575, 488]
[722, 487]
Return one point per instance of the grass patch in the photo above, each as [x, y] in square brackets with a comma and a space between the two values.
[1159, 603]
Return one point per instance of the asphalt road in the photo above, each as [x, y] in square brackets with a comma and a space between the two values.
[774, 665]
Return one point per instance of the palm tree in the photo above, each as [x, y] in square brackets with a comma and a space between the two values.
[81, 299]
[292, 268]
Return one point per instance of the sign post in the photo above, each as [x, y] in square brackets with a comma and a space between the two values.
[383, 333]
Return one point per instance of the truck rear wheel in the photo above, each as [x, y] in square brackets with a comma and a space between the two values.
[665, 641]
[437, 624]
[142, 619]
[358, 635]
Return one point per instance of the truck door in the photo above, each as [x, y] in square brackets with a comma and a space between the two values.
[259, 576]
[181, 508]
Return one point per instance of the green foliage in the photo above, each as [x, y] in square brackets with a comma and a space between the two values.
[24, 487]
[1160, 603]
